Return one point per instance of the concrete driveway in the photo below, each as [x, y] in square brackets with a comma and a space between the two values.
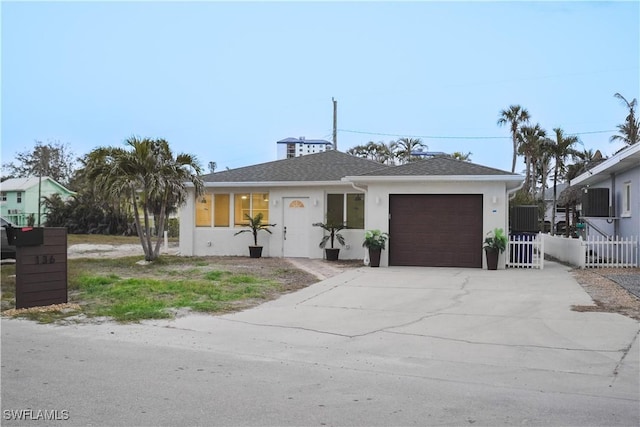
[388, 346]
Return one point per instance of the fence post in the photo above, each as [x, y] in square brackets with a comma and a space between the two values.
[541, 251]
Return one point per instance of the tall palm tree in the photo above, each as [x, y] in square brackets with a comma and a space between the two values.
[150, 176]
[543, 167]
[630, 129]
[561, 148]
[406, 146]
[387, 152]
[530, 140]
[515, 116]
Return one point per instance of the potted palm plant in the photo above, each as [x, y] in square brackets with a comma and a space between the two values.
[254, 225]
[375, 241]
[331, 253]
[494, 244]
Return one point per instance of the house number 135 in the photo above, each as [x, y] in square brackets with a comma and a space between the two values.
[45, 259]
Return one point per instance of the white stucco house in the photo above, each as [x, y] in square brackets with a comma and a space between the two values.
[437, 211]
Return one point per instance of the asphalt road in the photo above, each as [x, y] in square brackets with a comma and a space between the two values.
[385, 347]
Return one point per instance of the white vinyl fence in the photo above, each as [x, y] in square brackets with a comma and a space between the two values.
[525, 251]
[602, 252]
[595, 252]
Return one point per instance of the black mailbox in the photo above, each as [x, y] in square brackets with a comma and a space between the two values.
[25, 236]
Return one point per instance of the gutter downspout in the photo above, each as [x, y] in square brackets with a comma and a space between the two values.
[612, 211]
[358, 188]
[365, 191]
[365, 258]
[510, 195]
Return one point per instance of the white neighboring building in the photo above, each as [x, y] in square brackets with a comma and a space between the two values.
[296, 147]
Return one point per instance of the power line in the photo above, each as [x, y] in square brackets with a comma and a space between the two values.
[458, 137]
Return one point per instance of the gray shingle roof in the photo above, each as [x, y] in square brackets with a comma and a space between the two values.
[330, 165]
[438, 166]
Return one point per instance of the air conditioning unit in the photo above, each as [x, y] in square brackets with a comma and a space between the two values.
[524, 219]
[595, 202]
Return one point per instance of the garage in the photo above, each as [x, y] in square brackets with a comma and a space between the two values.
[436, 230]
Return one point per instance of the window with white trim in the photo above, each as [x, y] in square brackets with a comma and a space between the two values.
[212, 209]
[346, 209]
[3, 196]
[626, 199]
[250, 204]
[19, 197]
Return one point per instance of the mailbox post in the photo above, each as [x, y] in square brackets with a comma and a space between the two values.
[41, 265]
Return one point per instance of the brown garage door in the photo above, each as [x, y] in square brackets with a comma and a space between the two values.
[436, 230]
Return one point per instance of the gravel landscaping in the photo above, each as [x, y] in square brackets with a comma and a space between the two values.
[631, 282]
[613, 290]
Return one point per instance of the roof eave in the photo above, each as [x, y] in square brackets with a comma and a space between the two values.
[615, 163]
[436, 178]
[238, 184]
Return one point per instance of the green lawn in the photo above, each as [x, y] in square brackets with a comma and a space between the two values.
[125, 291]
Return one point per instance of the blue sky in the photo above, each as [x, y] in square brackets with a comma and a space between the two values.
[225, 81]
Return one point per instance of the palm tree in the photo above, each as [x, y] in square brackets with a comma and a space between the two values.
[530, 143]
[561, 148]
[149, 176]
[459, 155]
[630, 130]
[515, 116]
[581, 161]
[406, 146]
[358, 151]
[543, 166]
[387, 152]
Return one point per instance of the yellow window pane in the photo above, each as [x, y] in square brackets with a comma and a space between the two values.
[242, 205]
[221, 210]
[261, 205]
[203, 211]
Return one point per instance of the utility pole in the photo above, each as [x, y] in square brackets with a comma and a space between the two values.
[335, 123]
[39, 188]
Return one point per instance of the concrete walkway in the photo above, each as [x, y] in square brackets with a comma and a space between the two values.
[320, 268]
[387, 346]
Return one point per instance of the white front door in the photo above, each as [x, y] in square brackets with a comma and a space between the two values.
[296, 227]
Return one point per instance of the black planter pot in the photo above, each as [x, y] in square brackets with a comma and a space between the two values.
[331, 253]
[374, 257]
[255, 251]
[492, 258]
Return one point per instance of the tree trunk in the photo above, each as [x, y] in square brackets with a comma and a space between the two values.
[136, 218]
[553, 212]
[515, 147]
[148, 248]
[160, 226]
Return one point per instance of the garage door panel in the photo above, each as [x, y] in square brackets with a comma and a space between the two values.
[436, 230]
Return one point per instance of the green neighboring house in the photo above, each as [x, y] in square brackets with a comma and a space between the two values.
[19, 198]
